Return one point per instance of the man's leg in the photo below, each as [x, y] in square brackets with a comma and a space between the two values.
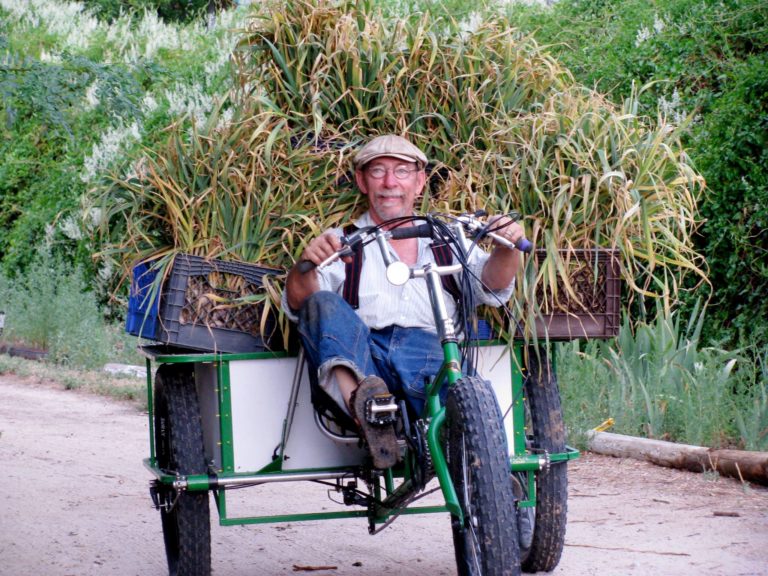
[347, 383]
[413, 358]
[337, 345]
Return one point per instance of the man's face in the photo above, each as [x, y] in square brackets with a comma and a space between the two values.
[392, 186]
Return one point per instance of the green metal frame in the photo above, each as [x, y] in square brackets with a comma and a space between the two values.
[384, 507]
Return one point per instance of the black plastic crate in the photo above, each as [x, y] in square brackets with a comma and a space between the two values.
[594, 276]
[195, 309]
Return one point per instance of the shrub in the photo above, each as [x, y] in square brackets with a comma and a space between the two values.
[169, 10]
[702, 65]
[732, 149]
[657, 381]
[79, 94]
[50, 307]
[752, 415]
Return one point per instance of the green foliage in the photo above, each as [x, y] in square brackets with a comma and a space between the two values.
[49, 129]
[51, 308]
[39, 178]
[169, 10]
[14, 365]
[732, 148]
[48, 92]
[752, 418]
[586, 382]
[78, 95]
[504, 125]
[657, 381]
[682, 44]
[702, 65]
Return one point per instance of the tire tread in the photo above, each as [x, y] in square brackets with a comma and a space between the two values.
[472, 408]
[548, 429]
[187, 527]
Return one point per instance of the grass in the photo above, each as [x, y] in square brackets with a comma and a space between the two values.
[123, 388]
[51, 307]
[657, 381]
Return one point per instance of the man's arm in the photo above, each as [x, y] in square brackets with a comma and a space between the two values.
[503, 264]
[300, 286]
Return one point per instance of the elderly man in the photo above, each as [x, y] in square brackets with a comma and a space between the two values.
[386, 341]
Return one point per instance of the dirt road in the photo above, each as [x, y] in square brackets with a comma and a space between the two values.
[75, 502]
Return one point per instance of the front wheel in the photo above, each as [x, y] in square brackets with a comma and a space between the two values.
[544, 524]
[179, 449]
[486, 541]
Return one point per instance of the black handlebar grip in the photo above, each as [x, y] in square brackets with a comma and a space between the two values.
[420, 231]
[305, 266]
[524, 245]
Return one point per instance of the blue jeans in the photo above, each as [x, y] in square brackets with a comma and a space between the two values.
[333, 335]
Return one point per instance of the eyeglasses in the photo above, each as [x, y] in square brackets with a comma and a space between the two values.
[401, 172]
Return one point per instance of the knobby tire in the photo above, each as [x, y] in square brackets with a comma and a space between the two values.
[546, 432]
[486, 543]
[179, 449]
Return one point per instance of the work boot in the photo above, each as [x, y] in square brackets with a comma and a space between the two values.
[378, 432]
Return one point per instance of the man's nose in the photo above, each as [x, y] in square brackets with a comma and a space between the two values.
[389, 179]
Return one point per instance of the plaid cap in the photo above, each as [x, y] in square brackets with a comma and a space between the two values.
[390, 145]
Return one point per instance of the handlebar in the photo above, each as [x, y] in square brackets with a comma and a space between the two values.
[403, 232]
[305, 266]
[356, 240]
[472, 224]
[351, 242]
[523, 245]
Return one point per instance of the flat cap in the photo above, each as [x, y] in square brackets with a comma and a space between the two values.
[390, 145]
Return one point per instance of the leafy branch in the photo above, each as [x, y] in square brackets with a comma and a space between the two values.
[55, 91]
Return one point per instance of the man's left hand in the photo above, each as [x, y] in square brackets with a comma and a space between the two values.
[506, 228]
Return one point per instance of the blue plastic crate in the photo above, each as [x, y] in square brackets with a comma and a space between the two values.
[143, 309]
[172, 318]
[484, 330]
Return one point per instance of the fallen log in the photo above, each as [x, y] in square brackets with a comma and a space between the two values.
[746, 466]
[23, 352]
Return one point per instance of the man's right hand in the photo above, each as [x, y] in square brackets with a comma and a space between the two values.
[322, 248]
[301, 285]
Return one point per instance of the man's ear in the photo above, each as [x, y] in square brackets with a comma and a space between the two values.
[422, 183]
[360, 181]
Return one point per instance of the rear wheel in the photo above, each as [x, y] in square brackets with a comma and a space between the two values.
[486, 541]
[179, 449]
[545, 434]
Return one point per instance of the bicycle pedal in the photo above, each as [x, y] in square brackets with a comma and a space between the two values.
[381, 410]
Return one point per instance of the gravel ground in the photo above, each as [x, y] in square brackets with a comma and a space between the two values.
[75, 502]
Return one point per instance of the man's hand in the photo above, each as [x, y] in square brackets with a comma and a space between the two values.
[301, 285]
[503, 263]
[506, 228]
[322, 248]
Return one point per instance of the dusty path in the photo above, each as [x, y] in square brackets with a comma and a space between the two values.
[74, 501]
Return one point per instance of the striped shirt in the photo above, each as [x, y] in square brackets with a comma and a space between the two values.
[383, 304]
